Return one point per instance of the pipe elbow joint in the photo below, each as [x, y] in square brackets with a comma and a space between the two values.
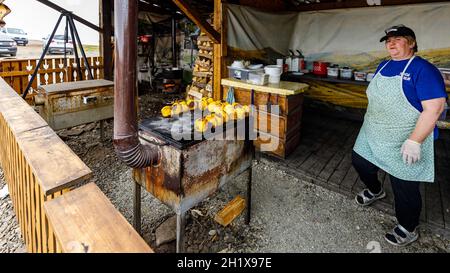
[137, 155]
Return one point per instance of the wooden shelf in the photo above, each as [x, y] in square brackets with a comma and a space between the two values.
[299, 78]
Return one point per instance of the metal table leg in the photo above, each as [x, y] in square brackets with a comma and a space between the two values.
[102, 130]
[180, 232]
[137, 208]
[249, 195]
[249, 144]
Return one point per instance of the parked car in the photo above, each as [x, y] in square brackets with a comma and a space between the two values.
[7, 46]
[57, 45]
[16, 34]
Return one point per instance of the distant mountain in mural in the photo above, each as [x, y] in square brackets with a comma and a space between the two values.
[368, 61]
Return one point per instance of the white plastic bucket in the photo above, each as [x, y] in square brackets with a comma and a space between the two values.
[280, 62]
[274, 72]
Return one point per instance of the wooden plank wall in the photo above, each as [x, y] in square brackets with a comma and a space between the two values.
[17, 72]
[25, 169]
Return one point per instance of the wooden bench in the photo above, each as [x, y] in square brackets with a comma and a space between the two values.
[85, 221]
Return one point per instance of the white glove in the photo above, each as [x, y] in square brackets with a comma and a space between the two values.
[410, 151]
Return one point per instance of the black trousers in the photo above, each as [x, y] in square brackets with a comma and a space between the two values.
[407, 198]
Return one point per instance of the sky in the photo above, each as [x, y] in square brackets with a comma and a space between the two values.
[38, 20]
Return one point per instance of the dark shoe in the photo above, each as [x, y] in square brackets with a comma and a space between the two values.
[366, 197]
[400, 236]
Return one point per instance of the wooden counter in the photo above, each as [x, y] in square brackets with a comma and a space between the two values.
[288, 96]
[283, 88]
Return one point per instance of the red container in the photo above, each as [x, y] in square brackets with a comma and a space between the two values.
[302, 64]
[320, 68]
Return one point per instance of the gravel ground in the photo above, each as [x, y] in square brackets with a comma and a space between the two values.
[10, 241]
[288, 215]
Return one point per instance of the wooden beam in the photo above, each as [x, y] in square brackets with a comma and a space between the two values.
[220, 50]
[75, 17]
[359, 4]
[195, 17]
[105, 37]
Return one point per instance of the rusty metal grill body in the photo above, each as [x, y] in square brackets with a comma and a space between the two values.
[65, 105]
[191, 170]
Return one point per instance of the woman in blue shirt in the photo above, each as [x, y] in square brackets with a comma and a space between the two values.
[406, 98]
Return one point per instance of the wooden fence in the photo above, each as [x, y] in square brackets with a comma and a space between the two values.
[17, 72]
[38, 167]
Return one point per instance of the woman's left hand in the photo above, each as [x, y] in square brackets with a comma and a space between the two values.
[410, 151]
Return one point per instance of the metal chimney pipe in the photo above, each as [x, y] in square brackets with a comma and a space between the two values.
[126, 138]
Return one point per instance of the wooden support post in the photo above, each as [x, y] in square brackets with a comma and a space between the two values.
[220, 49]
[105, 37]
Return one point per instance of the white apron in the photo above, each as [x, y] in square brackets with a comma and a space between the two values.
[389, 121]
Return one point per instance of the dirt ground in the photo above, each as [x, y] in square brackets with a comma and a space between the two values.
[288, 215]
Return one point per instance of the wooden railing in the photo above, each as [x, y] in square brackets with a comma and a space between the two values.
[38, 167]
[17, 72]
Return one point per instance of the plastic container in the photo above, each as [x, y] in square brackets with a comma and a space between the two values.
[320, 68]
[238, 64]
[258, 78]
[360, 76]
[242, 73]
[274, 72]
[333, 71]
[346, 73]
[288, 63]
[445, 73]
[280, 62]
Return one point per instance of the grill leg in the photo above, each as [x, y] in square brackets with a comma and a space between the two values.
[102, 130]
[180, 232]
[249, 195]
[137, 208]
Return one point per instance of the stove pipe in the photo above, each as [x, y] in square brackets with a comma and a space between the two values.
[126, 138]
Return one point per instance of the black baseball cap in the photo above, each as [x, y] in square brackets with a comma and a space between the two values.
[399, 30]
